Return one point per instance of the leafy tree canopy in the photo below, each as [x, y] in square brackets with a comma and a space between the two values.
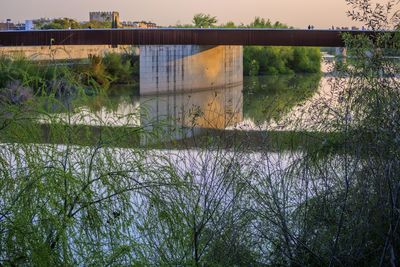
[62, 23]
[204, 20]
[263, 23]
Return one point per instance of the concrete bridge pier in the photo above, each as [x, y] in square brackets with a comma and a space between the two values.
[166, 69]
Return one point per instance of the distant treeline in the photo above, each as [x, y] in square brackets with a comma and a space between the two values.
[67, 23]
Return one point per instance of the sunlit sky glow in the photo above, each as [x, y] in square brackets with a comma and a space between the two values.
[297, 13]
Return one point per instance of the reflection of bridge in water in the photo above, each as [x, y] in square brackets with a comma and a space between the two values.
[185, 115]
[164, 117]
[177, 120]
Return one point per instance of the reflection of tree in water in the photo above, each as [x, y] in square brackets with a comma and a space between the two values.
[271, 97]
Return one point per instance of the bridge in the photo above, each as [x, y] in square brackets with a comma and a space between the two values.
[179, 36]
[183, 59]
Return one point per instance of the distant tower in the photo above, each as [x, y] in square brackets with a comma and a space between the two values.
[115, 20]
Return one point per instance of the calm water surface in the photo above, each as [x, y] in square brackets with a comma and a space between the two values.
[259, 101]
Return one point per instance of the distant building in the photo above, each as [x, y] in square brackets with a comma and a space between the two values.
[144, 24]
[4, 26]
[29, 25]
[11, 26]
[19, 27]
[8, 25]
[139, 24]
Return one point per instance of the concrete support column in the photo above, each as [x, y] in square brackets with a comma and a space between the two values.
[168, 69]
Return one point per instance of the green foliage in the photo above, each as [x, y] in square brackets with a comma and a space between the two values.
[67, 23]
[118, 67]
[94, 74]
[349, 219]
[40, 76]
[97, 25]
[52, 210]
[64, 23]
[305, 60]
[262, 23]
[281, 60]
[204, 20]
[229, 24]
[49, 77]
[254, 68]
[17, 69]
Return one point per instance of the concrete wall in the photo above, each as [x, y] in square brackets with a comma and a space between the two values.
[62, 52]
[188, 68]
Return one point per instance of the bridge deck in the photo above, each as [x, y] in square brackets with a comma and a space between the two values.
[176, 36]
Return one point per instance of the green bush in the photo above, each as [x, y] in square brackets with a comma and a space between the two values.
[118, 67]
[281, 60]
[254, 68]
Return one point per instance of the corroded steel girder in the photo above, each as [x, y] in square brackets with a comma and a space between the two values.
[176, 36]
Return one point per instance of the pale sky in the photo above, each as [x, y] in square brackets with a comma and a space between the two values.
[297, 13]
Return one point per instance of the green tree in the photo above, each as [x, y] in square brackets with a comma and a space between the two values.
[229, 24]
[263, 23]
[118, 67]
[254, 68]
[279, 60]
[204, 20]
[97, 25]
[63, 23]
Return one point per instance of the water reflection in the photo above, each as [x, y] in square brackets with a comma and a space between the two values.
[271, 97]
[186, 114]
[171, 116]
[259, 101]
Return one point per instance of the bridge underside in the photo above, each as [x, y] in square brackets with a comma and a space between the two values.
[168, 69]
[173, 36]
